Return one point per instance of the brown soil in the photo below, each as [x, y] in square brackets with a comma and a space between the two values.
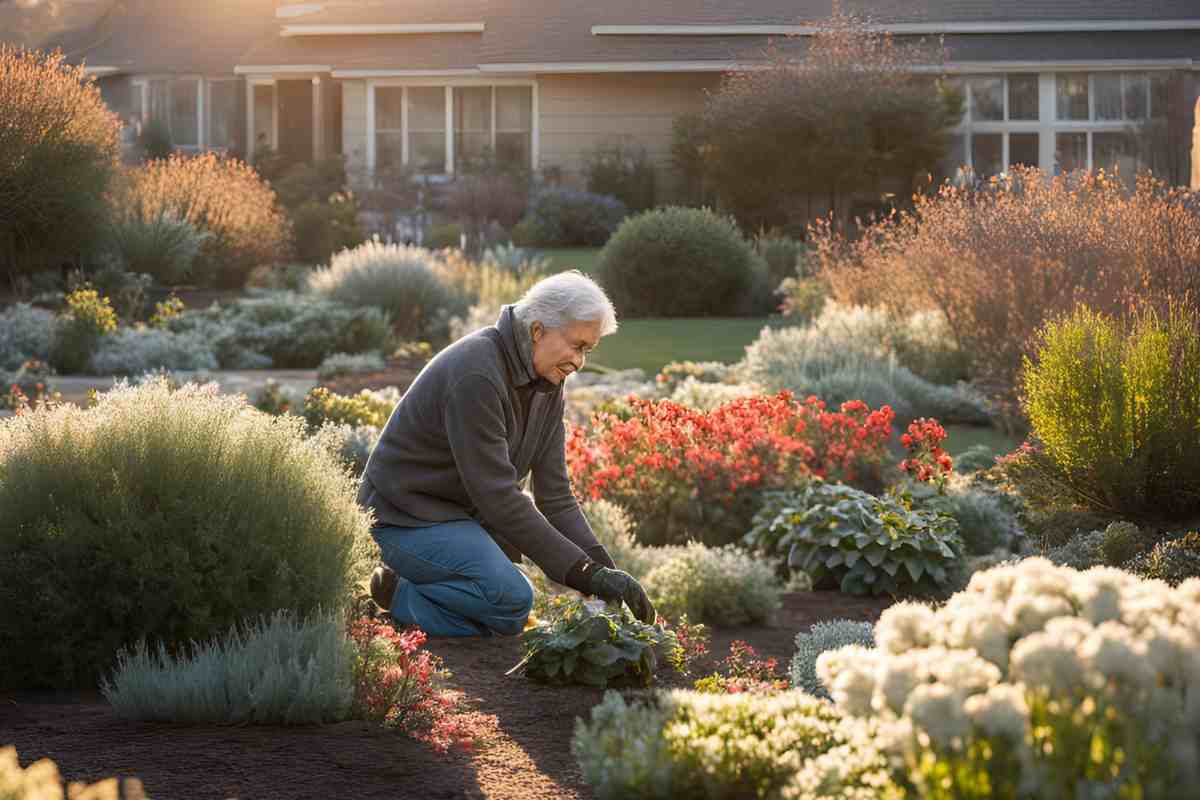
[529, 755]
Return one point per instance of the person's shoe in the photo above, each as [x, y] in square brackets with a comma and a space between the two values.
[383, 586]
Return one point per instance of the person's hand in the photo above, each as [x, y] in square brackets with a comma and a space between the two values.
[613, 585]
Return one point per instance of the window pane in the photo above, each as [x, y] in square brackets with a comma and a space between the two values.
[514, 108]
[987, 155]
[1116, 151]
[1023, 149]
[160, 94]
[185, 129]
[1023, 96]
[1108, 94]
[1072, 95]
[389, 149]
[472, 123]
[222, 113]
[264, 116]
[427, 151]
[427, 109]
[1070, 152]
[1136, 90]
[514, 148]
[388, 101]
[1160, 94]
[987, 99]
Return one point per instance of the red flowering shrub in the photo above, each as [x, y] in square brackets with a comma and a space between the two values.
[927, 461]
[399, 685]
[691, 644]
[688, 474]
[745, 672]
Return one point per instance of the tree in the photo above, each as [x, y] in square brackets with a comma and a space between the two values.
[59, 147]
[858, 112]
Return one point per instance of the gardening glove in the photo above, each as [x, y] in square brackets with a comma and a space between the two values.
[613, 585]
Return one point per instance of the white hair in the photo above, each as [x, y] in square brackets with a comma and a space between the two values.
[564, 298]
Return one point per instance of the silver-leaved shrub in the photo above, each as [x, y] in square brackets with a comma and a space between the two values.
[822, 636]
[715, 585]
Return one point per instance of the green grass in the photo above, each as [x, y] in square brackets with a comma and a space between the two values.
[961, 437]
[650, 344]
[583, 259]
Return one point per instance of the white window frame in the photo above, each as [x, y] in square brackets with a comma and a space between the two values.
[450, 85]
[251, 83]
[203, 103]
[1048, 125]
[206, 124]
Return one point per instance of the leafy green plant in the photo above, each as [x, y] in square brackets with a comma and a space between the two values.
[865, 544]
[622, 172]
[593, 646]
[1115, 409]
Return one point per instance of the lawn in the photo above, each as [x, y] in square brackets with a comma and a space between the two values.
[583, 259]
[649, 344]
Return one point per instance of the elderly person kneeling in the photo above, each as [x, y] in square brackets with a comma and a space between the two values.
[445, 478]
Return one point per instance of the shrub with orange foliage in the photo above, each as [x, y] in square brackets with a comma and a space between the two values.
[1002, 260]
[58, 151]
[223, 197]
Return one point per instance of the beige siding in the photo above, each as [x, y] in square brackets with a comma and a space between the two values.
[354, 124]
[580, 112]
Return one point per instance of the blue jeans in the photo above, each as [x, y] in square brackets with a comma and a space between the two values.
[458, 582]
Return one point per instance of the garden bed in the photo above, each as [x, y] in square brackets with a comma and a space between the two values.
[527, 757]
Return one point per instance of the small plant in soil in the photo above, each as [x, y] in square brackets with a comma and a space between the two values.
[744, 671]
[596, 646]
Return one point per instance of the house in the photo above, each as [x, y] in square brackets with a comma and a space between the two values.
[428, 85]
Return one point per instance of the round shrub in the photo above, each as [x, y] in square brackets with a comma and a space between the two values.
[321, 229]
[402, 281]
[25, 333]
[133, 351]
[339, 365]
[823, 636]
[559, 217]
[58, 155]
[1171, 560]
[165, 515]
[675, 262]
[613, 527]
[718, 585]
[88, 318]
[222, 197]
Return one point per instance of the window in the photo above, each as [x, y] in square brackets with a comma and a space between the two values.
[1023, 97]
[184, 107]
[485, 121]
[427, 128]
[472, 124]
[987, 153]
[987, 99]
[222, 108]
[264, 116]
[1023, 149]
[389, 126]
[1070, 152]
[1072, 96]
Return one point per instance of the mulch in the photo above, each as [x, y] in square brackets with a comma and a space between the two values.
[527, 757]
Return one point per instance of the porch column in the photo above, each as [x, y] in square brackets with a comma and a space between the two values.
[318, 117]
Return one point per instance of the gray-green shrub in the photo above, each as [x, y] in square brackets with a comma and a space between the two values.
[163, 514]
[564, 217]
[25, 333]
[1083, 551]
[277, 670]
[985, 523]
[339, 365]
[718, 585]
[402, 281]
[828, 635]
[680, 262]
[133, 351]
[614, 529]
[163, 246]
[285, 330]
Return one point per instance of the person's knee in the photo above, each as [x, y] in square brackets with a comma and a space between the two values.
[514, 604]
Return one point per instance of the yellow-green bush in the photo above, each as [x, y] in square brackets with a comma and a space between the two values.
[364, 408]
[1115, 406]
[165, 515]
[89, 316]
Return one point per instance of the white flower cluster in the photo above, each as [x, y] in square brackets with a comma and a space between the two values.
[1027, 647]
[705, 395]
[586, 391]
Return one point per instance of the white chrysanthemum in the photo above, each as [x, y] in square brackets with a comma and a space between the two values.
[1189, 591]
[896, 678]
[963, 671]
[995, 583]
[1112, 651]
[1029, 613]
[1173, 652]
[851, 681]
[1045, 661]
[938, 711]
[1000, 712]
[904, 627]
[1099, 592]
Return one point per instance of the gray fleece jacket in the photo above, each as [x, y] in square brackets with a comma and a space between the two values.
[460, 443]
